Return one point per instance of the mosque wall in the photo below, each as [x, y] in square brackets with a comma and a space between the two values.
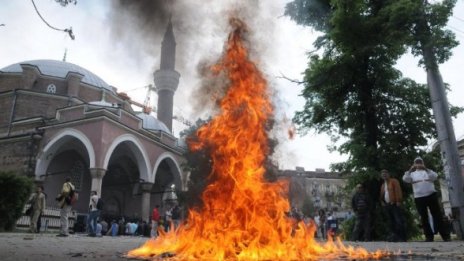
[43, 83]
[30, 104]
[10, 82]
[14, 154]
[6, 105]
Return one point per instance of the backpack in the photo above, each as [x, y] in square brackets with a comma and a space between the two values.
[100, 204]
[72, 197]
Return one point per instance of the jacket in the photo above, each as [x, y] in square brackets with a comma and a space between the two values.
[394, 191]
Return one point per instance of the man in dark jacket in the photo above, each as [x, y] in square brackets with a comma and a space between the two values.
[361, 204]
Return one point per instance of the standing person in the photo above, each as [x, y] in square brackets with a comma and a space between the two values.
[176, 216]
[391, 197]
[167, 220]
[317, 220]
[361, 204]
[332, 225]
[323, 226]
[37, 202]
[94, 213]
[426, 199]
[65, 205]
[155, 219]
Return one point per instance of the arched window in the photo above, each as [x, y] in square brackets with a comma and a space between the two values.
[77, 174]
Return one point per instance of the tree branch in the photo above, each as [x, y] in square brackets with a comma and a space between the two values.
[290, 80]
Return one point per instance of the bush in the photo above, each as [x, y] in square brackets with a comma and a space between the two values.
[15, 192]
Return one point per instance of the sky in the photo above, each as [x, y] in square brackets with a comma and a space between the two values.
[123, 49]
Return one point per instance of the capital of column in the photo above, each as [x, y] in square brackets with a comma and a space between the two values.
[146, 186]
[97, 173]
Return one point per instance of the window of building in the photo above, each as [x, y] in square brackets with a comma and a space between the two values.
[51, 88]
[77, 174]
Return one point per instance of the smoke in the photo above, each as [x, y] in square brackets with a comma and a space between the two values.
[200, 29]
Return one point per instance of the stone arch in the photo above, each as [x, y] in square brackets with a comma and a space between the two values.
[137, 149]
[54, 145]
[174, 166]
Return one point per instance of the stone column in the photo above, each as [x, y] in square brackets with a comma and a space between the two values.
[146, 193]
[97, 178]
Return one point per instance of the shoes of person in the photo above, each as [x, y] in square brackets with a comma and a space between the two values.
[61, 235]
[429, 240]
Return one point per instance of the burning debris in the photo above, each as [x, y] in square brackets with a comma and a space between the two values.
[244, 217]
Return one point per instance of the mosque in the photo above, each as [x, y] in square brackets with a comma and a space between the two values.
[59, 119]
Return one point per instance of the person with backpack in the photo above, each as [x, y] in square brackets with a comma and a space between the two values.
[361, 204]
[65, 199]
[94, 213]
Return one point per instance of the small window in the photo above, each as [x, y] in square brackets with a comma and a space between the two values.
[51, 88]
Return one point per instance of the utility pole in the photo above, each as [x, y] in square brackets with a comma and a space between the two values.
[448, 148]
[444, 125]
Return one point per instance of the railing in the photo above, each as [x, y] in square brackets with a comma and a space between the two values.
[50, 219]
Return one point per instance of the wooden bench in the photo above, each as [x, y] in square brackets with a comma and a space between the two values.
[50, 219]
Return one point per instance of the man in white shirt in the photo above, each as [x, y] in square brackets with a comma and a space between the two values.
[426, 199]
[93, 214]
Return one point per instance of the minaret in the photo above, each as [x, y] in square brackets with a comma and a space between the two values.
[167, 78]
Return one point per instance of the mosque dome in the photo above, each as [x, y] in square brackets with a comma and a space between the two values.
[151, 123]
[59, 69]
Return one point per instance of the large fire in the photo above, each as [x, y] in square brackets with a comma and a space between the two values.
[244, 216]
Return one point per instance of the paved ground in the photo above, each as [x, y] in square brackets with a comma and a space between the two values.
[23, 246]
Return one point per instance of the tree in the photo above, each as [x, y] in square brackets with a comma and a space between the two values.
[16, 190]
[353, 91]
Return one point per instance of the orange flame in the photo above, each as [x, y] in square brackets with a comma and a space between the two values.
[244, 217]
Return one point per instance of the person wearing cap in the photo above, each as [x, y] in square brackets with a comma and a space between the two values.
[391, 197]
[426, 199]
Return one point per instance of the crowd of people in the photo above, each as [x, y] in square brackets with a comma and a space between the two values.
[95, 224]
[391, 199]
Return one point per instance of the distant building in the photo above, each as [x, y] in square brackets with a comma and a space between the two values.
[443, 184]
[58, 119]
[324, 189]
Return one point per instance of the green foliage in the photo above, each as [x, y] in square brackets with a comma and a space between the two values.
[15, 192]
[346, 228]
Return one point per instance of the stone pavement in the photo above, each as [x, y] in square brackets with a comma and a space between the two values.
[36, 247]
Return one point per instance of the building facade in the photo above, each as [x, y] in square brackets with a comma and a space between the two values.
[325, 190]
[59, 119]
